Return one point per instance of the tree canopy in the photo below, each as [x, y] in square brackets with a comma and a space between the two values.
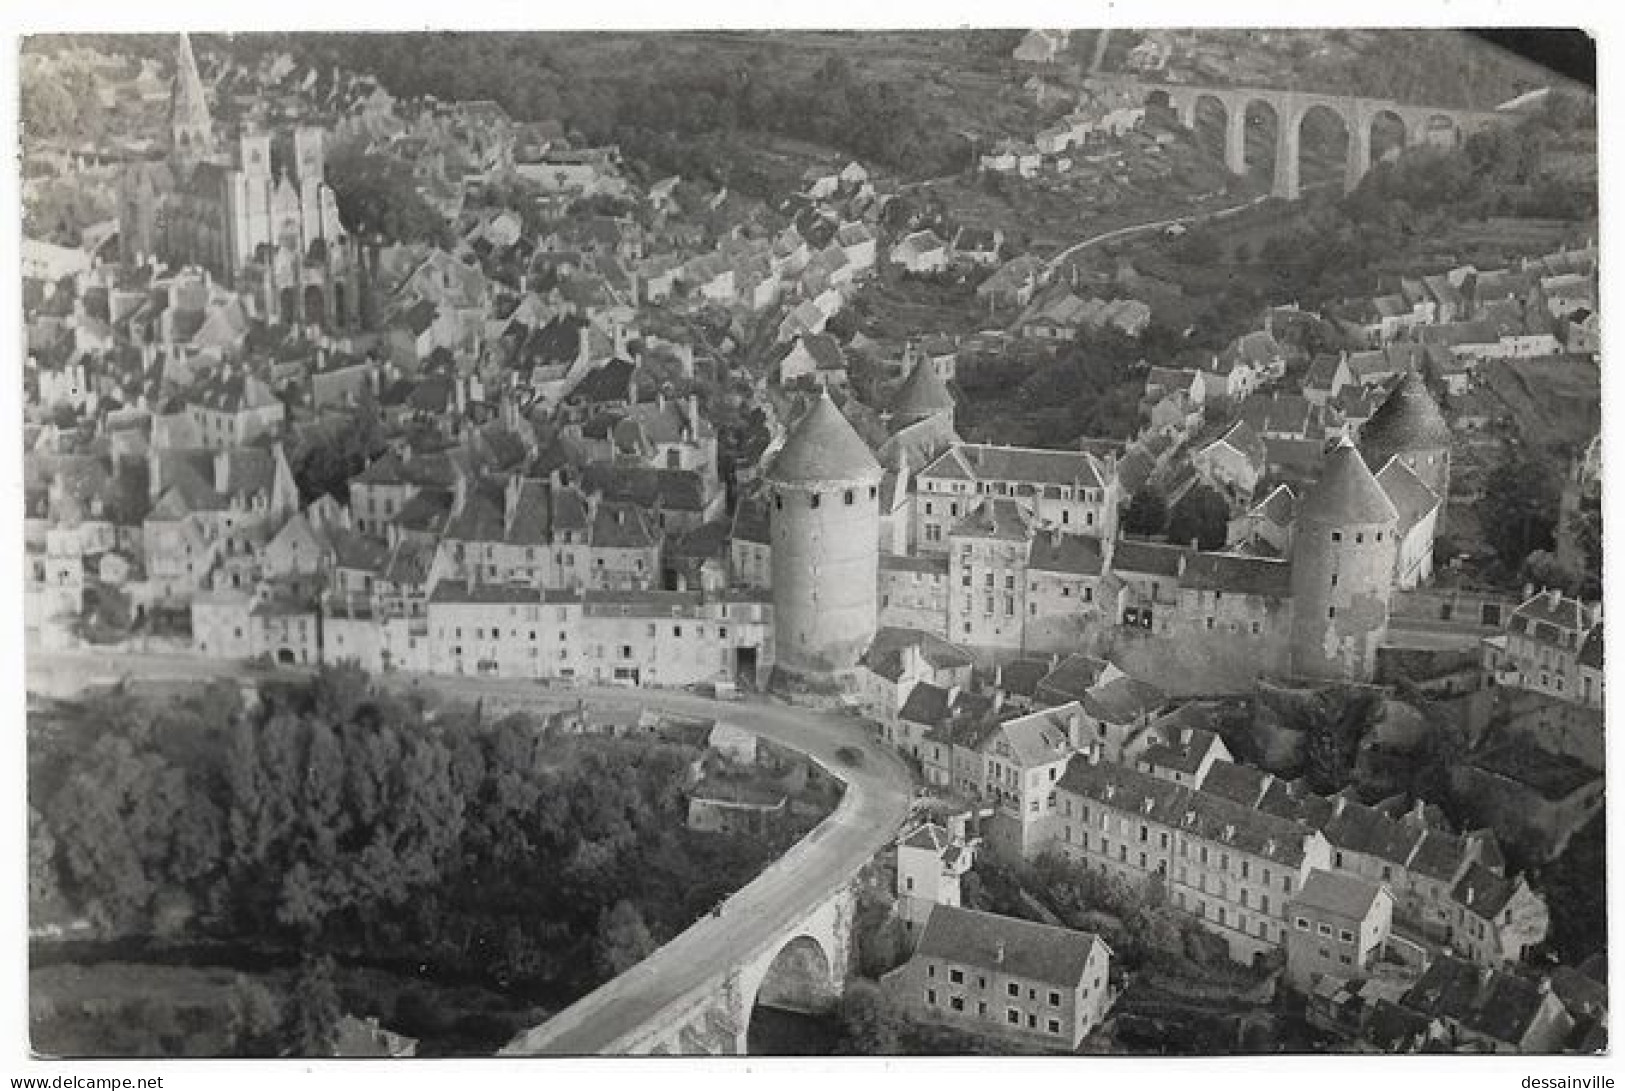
[1200, 516]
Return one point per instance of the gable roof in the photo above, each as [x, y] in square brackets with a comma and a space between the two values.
[1338, 892]
[1072, 554]
[1041, 952]
[1410, 495]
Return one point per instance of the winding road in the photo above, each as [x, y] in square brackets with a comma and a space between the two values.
[879, 788]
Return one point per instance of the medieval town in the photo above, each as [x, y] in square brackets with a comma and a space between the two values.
[919, 542]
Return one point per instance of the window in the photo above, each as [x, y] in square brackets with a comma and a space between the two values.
[1337, 536]
[1323, 928]
[815, 500]
[930, 969]
[1331, 611]
[1303, 924]
[1055, 1026]
[957, 1002]
[1054, 999]
[956, 976]
[1345, 936]
[1014, 989]
[851, 497]
[1012, 1016]
[931, 996]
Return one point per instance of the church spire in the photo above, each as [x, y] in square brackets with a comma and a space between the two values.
[191, 129]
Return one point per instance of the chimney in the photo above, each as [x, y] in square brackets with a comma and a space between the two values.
[998, 955]
[1555, 597]
[222, 470]
[1339, 804]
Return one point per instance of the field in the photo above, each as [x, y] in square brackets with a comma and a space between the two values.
[1555, 401]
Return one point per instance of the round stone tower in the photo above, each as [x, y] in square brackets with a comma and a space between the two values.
[1410, 425]
[1343, 554]
[824, 519]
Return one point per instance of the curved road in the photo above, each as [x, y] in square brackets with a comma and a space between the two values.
[879, 788]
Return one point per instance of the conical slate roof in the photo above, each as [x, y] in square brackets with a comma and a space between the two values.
[188, 107]
[923, 393]
[1347, 492]
[1408, 420]
[823, 446]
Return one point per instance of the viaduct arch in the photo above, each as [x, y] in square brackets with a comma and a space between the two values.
[1421, 124]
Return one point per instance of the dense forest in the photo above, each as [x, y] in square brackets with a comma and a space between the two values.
[335, 819]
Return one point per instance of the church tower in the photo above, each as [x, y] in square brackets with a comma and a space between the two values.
[824, 526]
[191, 130]
[1344, 548]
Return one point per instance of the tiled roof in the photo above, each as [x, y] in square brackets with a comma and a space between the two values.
[1439, 856]
[1408, 420]
[1041, 952]
[1073, 676]
[1410, 495]
[1201, 813]
[751, 521]
[823, 447]
[1073, 554]
[1346, 493]
[884, 655]
[1032, 465]
[1122, 699]
[459, 592]
[1500, 1005]
[995, 517]
[1238, 783]
[926, 704]
[618, 525]
[1235, 574]
[922, 393]
[1363, 829]
[1151, 558]
[1338, 892]
[1040, 738]
[1022, 676]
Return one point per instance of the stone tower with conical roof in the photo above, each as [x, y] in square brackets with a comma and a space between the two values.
[823, 489]
[1409, 425]
[1344, 547]
[191, 129]
[923, 395]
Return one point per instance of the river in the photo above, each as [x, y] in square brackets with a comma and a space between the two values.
[778, 1033]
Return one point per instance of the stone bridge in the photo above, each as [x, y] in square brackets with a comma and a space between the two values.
[800, 965]
[1422, 124]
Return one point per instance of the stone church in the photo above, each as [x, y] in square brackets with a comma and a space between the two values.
[258, 214]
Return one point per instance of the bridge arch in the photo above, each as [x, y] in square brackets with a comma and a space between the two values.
[1210, 124]
[1441, 130]
[1259, 128]
[1385, 133]
[802, 977]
